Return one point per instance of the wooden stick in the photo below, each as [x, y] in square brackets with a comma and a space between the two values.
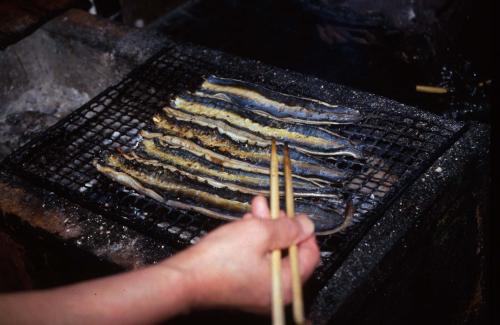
[277, 296]
[298, 303]
[430, 89]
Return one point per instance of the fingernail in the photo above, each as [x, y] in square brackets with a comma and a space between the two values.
[306, 224]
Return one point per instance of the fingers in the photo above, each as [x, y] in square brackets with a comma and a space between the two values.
[308, 256]
[247, 216]
[260, 208]
[285, 231]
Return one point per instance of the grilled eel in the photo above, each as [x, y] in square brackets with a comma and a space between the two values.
[326, 221]
[211, 181]
[257, 111]
[151, 149]
[155, 172]
[223, 111]
[165, 183]
[222, 144]
[245, 137]
[290, 108]
[221, 160]
[129, 181]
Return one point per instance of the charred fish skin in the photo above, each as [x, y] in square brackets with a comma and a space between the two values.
[127, 180]
[151, 149]
[221, 160]
[281, 105]
[243, 136]
[302, 126]
[325, 221]
[213, 181]
[348, 221]
[262, 125]
[222, 127]
[255, 110]
[210, 181]
[189, 162]
[223, 111]
[258, 111]
[166, 183]
[301, 164]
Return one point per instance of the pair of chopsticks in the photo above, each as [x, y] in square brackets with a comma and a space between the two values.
[278, 312]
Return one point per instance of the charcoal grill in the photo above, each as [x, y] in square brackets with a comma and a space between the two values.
[399, 143]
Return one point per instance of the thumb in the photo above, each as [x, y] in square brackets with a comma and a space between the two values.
[286, 231]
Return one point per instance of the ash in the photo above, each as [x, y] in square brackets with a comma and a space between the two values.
[34, 111]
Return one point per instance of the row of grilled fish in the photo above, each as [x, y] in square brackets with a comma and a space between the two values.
[218, 137]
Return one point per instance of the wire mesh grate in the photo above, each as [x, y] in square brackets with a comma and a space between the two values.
[399, 142]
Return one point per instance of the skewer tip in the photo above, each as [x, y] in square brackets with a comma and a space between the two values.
[286, 155]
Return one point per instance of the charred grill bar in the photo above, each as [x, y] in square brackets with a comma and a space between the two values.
[414, 169]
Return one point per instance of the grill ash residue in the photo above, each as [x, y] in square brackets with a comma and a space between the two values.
[33, 112]
[104, 238]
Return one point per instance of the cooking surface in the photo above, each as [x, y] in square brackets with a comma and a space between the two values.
[211, 147]
[399, 143]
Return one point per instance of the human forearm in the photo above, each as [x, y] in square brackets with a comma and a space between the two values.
[228, 268]
[149, 295]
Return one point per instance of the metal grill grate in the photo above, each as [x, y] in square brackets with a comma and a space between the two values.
[398, 141]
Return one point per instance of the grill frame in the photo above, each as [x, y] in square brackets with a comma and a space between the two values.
[290, 82]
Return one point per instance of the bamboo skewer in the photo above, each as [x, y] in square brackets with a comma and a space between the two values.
[298, 303]
[278, 312]
[430, 89]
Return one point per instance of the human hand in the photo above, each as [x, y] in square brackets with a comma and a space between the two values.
[230, 267]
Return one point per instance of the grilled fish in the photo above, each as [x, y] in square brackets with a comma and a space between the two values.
[218, 159]
[292, 108]
[222, 111]
[191, 164]
[212, 181]
[169, 184]
[160, 188]
[211, 148]
[303, 164]
[129, 181]
[245, 137]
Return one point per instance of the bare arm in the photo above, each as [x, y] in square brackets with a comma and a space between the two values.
[146, 295]
[228, 268]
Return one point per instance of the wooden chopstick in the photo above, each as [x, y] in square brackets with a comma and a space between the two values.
[298, 303]
[277, 296]
[430, 89]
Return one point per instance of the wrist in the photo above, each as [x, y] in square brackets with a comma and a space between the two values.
[196, 282]
[175, 283]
